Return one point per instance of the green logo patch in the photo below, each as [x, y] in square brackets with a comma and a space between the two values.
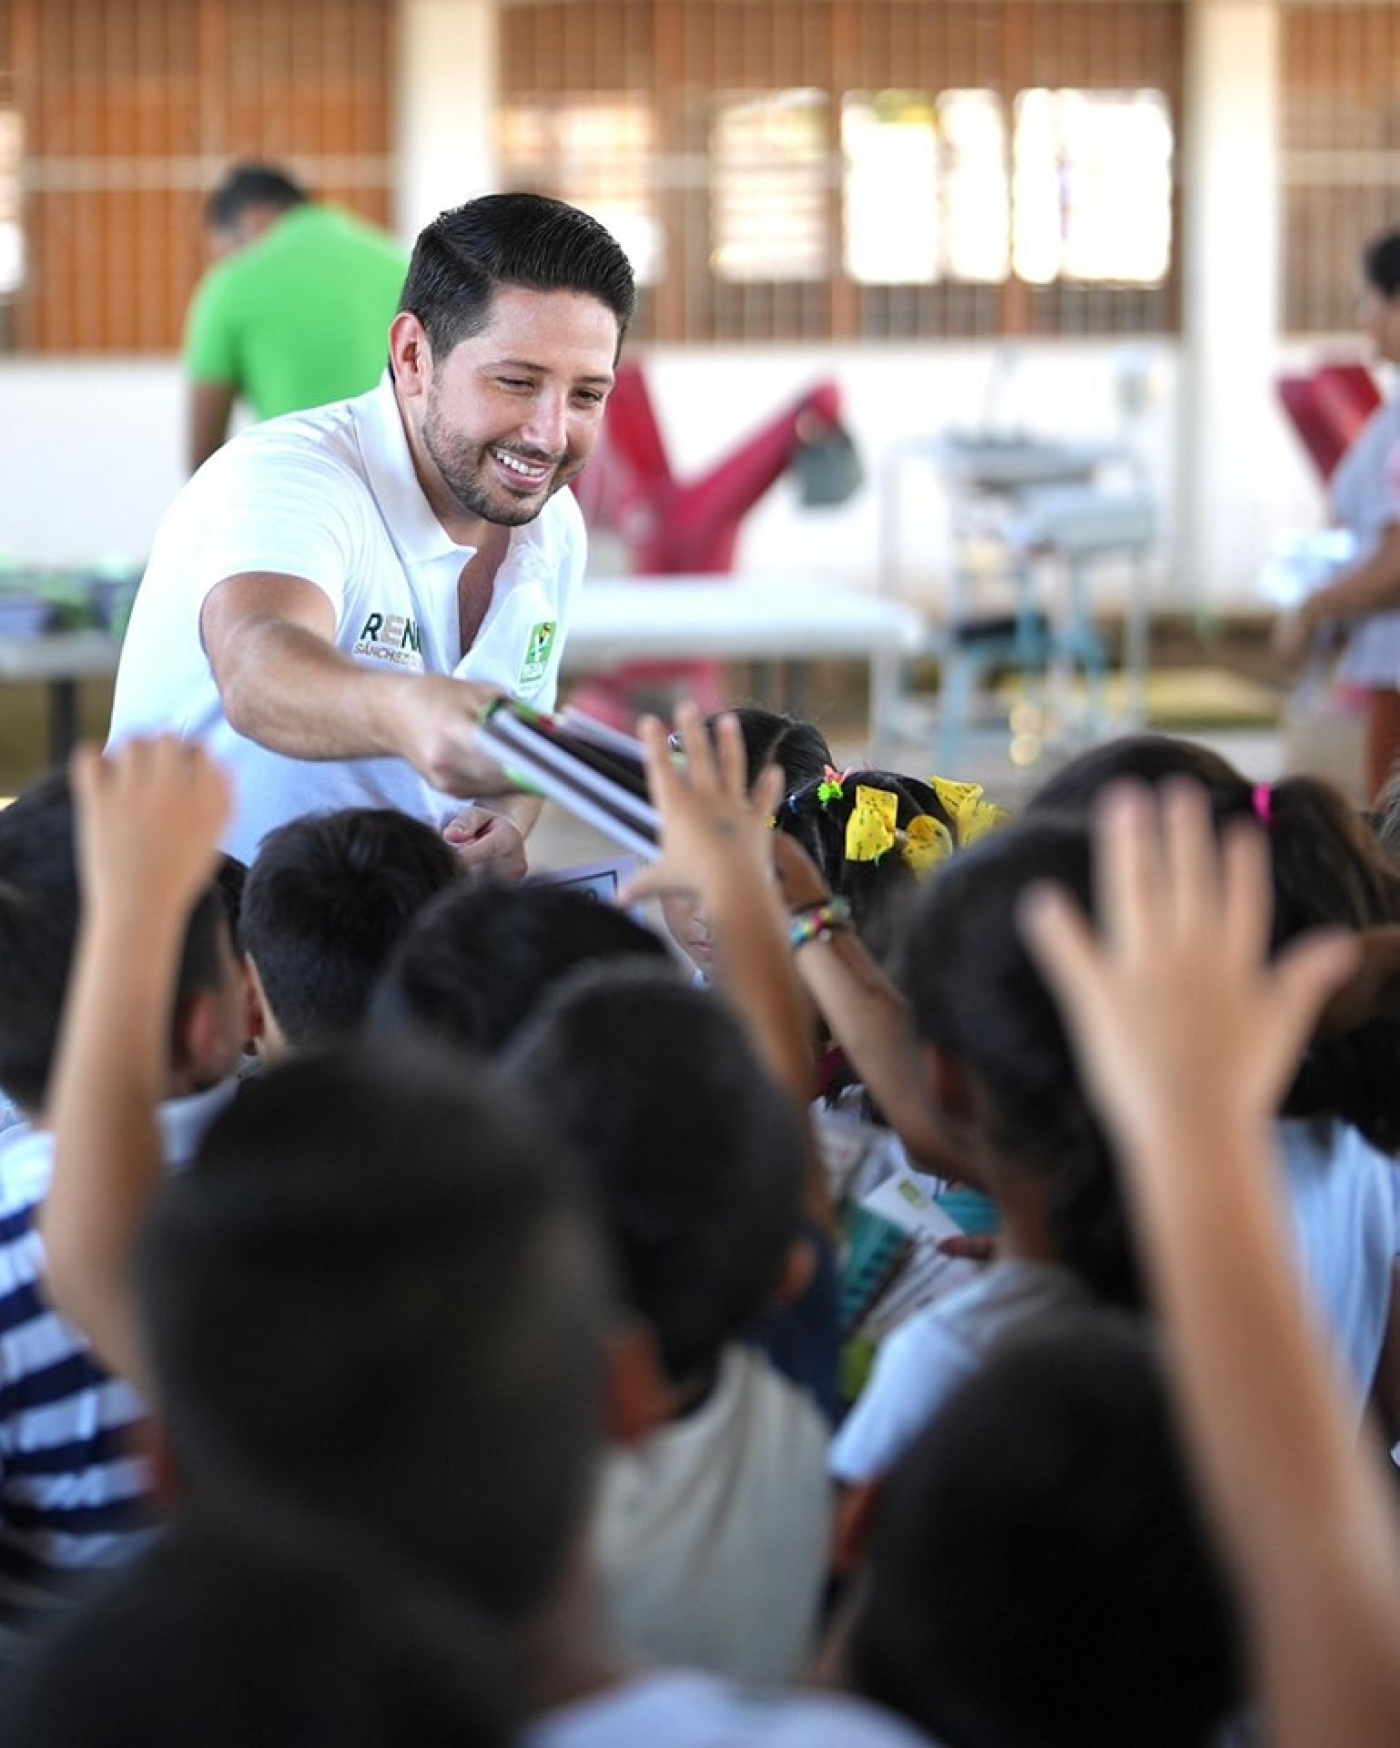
[537, 651]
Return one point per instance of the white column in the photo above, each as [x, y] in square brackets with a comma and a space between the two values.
[446, 101]
[1230, 294]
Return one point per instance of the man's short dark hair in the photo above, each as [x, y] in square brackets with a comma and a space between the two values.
[324, 904]
[696, 1153]
[377, 1297]
[462, 259]
[477, 960]
[250, 185]
[40, 910]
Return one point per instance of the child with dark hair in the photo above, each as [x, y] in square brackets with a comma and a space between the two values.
[772, 737]
[324, 904]
[1187, 1030]
[1340, 1121]
[1039, 1570]
[75, 1488]
[711, 1529]
[378, 1300]
[481, 959]
[1011, 1104]
[876, 836]
[796, 748]
[231, 1636]
[476, 961]
[852, 851]
[1360, 599]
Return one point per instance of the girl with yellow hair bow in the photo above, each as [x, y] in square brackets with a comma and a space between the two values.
[876, 835]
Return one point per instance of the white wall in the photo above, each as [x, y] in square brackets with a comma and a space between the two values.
[90, 452]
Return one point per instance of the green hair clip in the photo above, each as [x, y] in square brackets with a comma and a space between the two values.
[831, 786]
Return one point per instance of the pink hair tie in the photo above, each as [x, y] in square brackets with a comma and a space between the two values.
[1263, 799]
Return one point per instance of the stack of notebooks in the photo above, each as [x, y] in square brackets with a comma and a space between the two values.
[592, 770]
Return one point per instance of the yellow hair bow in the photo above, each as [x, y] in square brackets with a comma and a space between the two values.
[971, 814]
[871, 832]
[927, 842]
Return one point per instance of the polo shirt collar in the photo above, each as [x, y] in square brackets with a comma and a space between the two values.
[417, 534]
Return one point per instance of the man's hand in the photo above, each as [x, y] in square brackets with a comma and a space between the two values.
[440, 721]
[487, 842]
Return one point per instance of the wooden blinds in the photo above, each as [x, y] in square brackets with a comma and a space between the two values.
[128, 111]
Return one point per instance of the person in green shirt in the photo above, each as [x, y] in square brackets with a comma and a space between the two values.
[295, 310]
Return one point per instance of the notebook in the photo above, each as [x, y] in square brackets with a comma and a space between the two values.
[592, 770]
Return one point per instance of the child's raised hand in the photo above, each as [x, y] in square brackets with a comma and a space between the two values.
[149, 819]
[707, 817]
[1176, 1013]
[800, 881]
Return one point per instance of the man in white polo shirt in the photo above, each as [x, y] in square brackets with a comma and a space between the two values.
[334, 597]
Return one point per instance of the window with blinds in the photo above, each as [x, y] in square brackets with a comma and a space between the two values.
[814, 169]
[117, 116]
[1340, 166]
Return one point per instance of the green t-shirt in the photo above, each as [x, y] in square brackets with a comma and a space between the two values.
[301, 316]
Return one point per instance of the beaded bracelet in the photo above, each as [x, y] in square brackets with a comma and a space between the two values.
[816, 922]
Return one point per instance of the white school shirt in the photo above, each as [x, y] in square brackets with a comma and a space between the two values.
[1345, 1200]
[330, 495]
[923, 1361]
[711, 1536]
[679, 1708]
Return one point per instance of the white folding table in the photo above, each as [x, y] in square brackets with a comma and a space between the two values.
[618, 620]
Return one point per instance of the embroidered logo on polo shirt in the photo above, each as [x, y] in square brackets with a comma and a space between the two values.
[391, 637]
[537, 651]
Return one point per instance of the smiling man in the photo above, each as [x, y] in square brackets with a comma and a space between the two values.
[334, 597]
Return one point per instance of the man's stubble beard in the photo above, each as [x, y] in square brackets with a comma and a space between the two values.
[470, 489]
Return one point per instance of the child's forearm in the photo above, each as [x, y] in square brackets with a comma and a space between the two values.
[1306, 1514]
[754, 962]
[871, 1021]
[112, 1068]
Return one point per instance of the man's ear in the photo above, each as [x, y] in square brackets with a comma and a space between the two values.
[636, 1394]
[410, 354]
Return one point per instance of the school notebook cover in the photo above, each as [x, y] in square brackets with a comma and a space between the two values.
[590, 769]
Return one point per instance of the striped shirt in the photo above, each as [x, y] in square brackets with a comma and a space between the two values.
[75, 1486]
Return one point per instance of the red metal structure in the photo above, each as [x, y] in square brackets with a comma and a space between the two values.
[682, 527]
[1328, 408]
